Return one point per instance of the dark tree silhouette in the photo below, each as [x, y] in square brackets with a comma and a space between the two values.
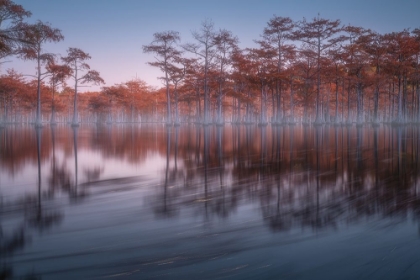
[12, 27]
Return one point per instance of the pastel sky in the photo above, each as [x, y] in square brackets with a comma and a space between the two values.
[113, 31]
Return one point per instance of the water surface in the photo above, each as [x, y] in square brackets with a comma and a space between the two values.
[233, 202]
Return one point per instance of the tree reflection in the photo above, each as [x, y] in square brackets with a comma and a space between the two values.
[37, 214]
[299, 176]
[42, 218]
[163, 206]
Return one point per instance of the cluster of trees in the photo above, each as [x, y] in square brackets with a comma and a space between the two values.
[310, 71]
[315, 70]
[133, 100]
[28, 41]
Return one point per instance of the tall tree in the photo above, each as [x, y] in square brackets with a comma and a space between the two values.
[164, 47]
[12, 27]
[376, 49]
[204, 48]
[336, 74]
[226, 44]
[242, 86]
[321, 34]
[277, 33]
[401, 54]
[39, 34]
[306, 70]
[75, 59]
[262, 74]
[177, 75]
[357, 60]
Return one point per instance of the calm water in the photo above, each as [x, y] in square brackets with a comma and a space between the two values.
[233, 202]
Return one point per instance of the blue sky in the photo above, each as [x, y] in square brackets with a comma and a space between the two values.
[113, 32]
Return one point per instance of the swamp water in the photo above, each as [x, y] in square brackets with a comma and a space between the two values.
[233, 202]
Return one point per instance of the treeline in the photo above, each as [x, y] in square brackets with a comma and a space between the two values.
[300, 71]
[310, 71]
[131, 101]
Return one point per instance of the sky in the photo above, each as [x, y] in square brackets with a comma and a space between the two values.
[114, 31]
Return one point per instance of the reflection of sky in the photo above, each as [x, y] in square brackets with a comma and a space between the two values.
[113, 32]
[26, 180]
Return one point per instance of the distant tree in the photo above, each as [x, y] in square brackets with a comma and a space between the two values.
[321, 35]
[277, 33]
[400, 59]
[375, 47]
[226, 44]
[336, 74]
[12, 93]
[39, 34]
[177, 75]
[242, 83]
[75, 59]
[204, 48]
[115, 95]
[12, 27]
[262, 74]
[99, 105]
[164, 47]
[59, 73]
[191, 86]
[356, 60]
[137, 96]
[306, 70]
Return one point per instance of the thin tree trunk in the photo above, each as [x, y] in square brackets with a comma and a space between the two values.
[75, 121]
[38, 121]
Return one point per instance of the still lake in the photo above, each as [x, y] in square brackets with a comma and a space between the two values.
[234, 202]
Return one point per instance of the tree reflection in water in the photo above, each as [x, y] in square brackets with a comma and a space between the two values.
[312, 179]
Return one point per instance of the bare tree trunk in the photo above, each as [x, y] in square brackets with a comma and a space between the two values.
[239, 111]
[327, 106]
[168, 99]
[400, 102]
[263, 105]
[198, 105]
[38, 120]
[278, 99]
[348, 104]
[219, 105]
[292, 103]
[52, 120]
[359, 103]
[75, 121]
[318, 118]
